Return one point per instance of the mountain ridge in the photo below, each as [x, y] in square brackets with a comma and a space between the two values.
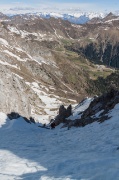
[76, 18]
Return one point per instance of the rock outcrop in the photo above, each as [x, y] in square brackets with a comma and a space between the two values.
[62, 115]
[97, 110]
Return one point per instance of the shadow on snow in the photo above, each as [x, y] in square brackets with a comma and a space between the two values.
[38, 145]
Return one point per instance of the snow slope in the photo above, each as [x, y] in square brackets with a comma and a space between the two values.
[88, 153]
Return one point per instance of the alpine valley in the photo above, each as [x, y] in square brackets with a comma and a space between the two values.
[51, 64]
[48, 62]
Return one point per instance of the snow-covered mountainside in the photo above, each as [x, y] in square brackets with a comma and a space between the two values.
[90, 152]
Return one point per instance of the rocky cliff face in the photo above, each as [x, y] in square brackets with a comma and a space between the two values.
[13, 96]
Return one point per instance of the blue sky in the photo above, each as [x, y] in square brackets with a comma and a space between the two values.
[89, 5]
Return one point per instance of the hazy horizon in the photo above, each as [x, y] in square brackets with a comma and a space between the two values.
[65, 6]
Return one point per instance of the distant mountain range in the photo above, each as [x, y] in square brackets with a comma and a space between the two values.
[76, 17]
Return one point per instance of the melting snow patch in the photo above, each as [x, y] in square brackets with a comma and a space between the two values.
[35, 84]
[7, 64]
[98, 114]
[19, 49]
[13, 29]
[3, 119]
[4, 42]
[18, 76]
[13, 55]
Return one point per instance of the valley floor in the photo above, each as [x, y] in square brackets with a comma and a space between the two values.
[89, 153]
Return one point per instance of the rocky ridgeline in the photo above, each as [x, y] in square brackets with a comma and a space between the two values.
[63, 114]
[97, 111]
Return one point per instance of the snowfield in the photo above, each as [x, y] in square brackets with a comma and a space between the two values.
[33, 153]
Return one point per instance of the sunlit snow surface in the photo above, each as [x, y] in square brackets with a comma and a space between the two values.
[33, 153]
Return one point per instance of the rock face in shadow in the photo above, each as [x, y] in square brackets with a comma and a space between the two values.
[97, 110]
[105, 102]
[63, 114]
[15, 115]
[99, 53]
